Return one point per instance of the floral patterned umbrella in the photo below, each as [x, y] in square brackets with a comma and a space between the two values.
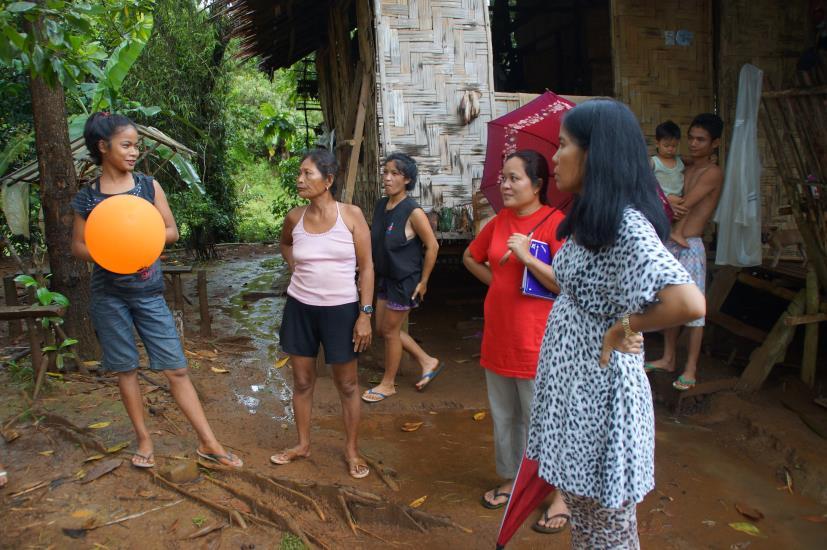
[535, 125]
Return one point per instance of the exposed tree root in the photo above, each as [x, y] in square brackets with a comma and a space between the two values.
[81, 436]
[380, 471]
[266, 483]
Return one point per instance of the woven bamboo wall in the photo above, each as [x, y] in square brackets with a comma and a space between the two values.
[657, 80]
[430, 53]
[770, 35]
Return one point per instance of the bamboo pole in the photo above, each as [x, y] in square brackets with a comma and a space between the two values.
[808, 364]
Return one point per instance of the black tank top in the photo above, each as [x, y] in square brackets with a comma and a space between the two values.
[395, 257]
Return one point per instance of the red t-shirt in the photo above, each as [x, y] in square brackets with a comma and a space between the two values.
[514, 323]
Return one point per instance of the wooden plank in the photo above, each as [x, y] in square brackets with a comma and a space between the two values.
[808, 362]
[29, 312]
[10, 293]
[772, 350]
[775, 290]
[722, 283]
[805, 319]
[174, 269]
[358, 132]
[737, 327]
[203, 304]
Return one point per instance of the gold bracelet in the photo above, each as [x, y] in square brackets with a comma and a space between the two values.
[627, 327]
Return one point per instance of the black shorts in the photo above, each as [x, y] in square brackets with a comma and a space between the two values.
[304, 327]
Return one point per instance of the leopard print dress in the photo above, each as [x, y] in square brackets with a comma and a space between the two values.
[592, 427]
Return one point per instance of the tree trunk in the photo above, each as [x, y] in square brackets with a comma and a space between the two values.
[58, 184]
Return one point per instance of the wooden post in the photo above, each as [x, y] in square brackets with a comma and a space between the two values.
[773, 349]
[10, 293]
[203, 304]
[356, 147]
[808, 363]
[178, 303]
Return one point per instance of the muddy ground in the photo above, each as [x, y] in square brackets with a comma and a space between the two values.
[732, 451]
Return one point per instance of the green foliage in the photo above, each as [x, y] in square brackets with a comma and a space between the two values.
[291, 542]
[287, 196]
[199, 220]
[267, 194]
[57, 40]
[22, 374]
[48, 297]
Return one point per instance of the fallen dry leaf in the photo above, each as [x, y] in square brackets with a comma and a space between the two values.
[461, 361]
[93, 458]
[749, 512]
[479, 416]
[708, 523]
[815, 519]
[56, 375]
[10, 435]
[90, 364]
[748, 528]
[46, 453]
[118, 447]
[207, 354]
[82, 513]
[218, 370]
[98, 425]
[411, 426]
[281, 362]
[418, 502]
[102, 468]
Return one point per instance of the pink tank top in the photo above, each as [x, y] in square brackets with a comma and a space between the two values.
[325, 265]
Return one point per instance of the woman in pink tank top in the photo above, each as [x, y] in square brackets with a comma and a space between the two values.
[324, 243]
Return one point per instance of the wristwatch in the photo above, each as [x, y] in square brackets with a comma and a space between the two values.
[367, 310]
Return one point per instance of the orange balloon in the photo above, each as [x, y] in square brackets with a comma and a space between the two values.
[125, 234]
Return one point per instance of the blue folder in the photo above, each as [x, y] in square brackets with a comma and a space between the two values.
[531, 286]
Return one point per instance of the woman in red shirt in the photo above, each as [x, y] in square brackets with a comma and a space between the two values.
[514, 322]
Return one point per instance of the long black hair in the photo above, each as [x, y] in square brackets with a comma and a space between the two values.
[616, 174]
[326, 164]
[101, 126]
[536, 168]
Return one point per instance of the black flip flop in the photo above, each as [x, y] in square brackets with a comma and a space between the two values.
[551, 530]
[497, 494]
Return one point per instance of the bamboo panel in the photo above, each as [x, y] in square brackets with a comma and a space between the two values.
[430, 53]
[660, 81]
[770, 35]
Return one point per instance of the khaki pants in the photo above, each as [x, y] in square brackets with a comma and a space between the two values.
[510, 400]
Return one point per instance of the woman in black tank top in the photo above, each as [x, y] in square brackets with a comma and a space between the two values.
[399, 234]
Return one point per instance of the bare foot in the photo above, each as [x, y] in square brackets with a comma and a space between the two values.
[379, 393]
[679, 238]
[555, 518]
[289, 455]
[661, 365]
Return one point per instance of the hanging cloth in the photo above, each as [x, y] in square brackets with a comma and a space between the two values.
[16, 207]
[739, 211]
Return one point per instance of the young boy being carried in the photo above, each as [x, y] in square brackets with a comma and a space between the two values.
[703, 180]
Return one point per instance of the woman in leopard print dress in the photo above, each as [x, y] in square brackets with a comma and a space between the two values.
[592, 423]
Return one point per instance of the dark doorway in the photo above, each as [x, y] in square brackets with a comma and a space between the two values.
[560, 45]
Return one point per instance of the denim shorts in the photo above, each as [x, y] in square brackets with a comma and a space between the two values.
[114, 318]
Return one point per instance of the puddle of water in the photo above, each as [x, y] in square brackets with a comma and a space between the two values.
[260, 321]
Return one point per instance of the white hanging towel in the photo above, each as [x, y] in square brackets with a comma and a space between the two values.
[739, 211]
[16, 207]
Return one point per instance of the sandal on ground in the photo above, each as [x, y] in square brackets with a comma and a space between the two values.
[282, 458]
[148, 460]
[683, 384]
[357, 467]
[428, 378]
[373, 396]
[543, 528]
[231, 460]
[497, 494]
[649, 367]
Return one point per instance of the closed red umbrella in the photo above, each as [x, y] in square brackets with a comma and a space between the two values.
[535, 125]
[528, 492]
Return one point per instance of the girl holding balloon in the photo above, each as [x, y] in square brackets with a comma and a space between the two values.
[127, 284]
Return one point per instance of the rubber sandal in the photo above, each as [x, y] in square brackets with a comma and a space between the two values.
[381, 397]
[497, 494]
[683, 384]
[353, 466]
[551, 530]
[150, 460]
[649, 367]
[430, 377]
[230, 457]
[280, 459]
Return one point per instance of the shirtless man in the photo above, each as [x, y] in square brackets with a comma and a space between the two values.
[703, 180]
